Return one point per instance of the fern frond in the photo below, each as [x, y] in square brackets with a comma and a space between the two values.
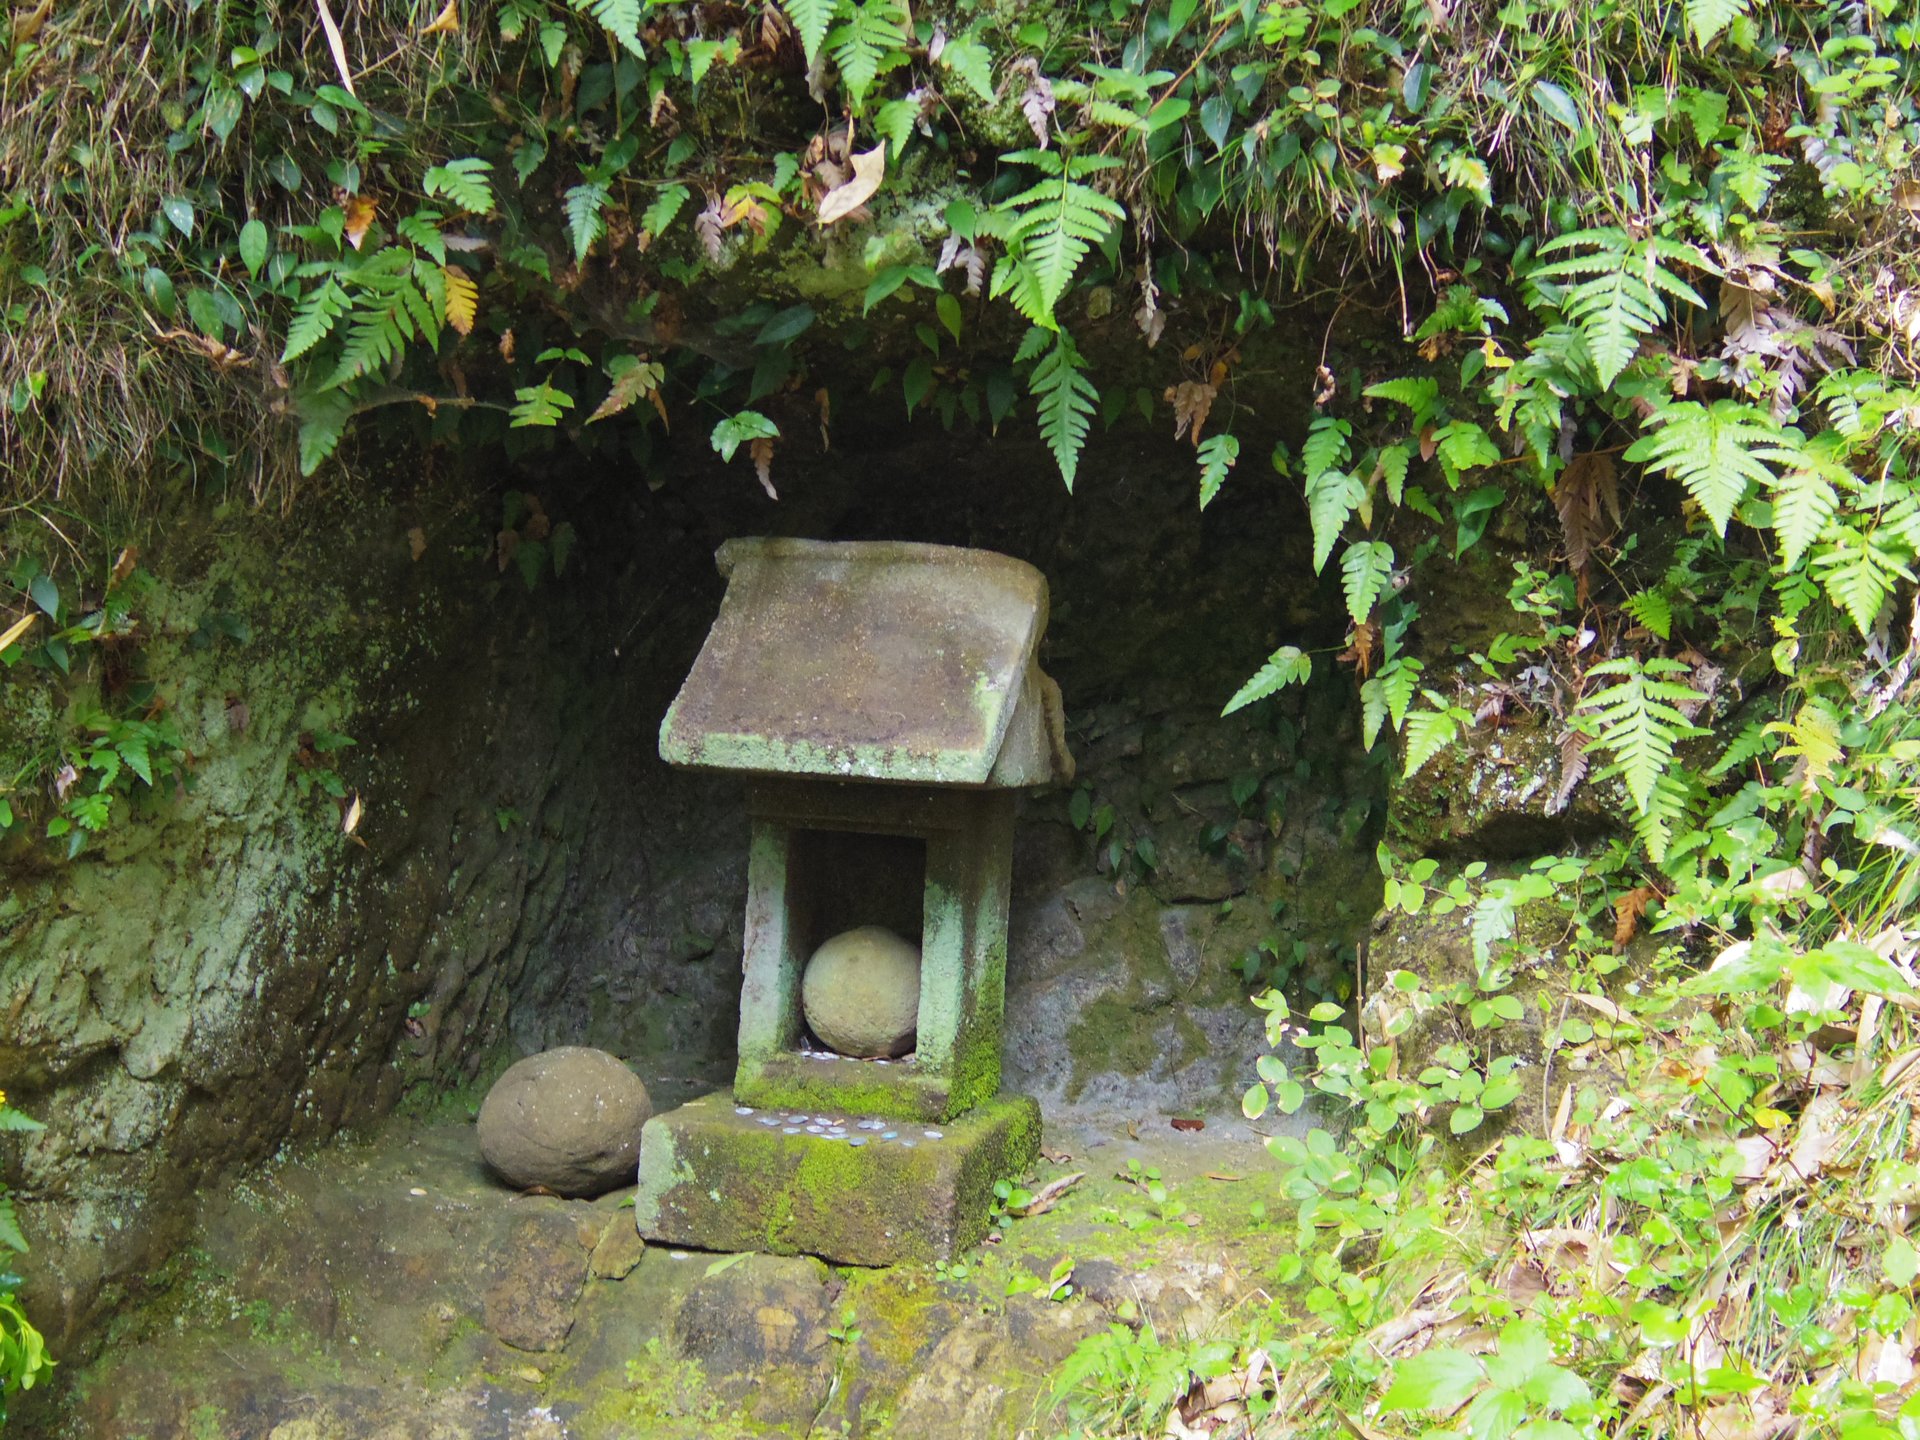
[1217, 456]
[1326, 446]
[1365, 571]
[1067, 399]
[1049, 229]
[1286, 666]
[861, 42]
[1803, 502]
[465, 182]
[1616, 286]
[810, 20]
[620, 18]
[1716, 451]
[1332, 495]
[1429, 732]
[1708, 18]
[1637, 720]
[585, 203]
[1858, 572]
[314, 318]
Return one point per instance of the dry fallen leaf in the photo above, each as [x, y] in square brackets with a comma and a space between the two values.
[506, 346]
[1184, 1122]
[1220, 1175]
[1048, 1195]
[417, 542]
[350, 821]
[17, 629]
[761, 449]
[1628, 909]
[1192, 401]
[360, 212]
[868, 168]
[447, 22]
[335, 44]
[122, 567]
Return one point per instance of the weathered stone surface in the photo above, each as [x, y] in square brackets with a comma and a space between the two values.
[538, 1275]
[719, 1180]
[620, 1248]
[861, 993]
[567, 1120]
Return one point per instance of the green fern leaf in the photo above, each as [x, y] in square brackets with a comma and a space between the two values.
[1365, 571]
[1718, 452]
[1751, 743]
[1332, 496]
[314, 318]
[422, 231]
[1067, 400]
[1391, 467]
[871, 31]
[1286, 666]
[621, 18]
[973, 63]
[1653, 610]
[1858, 573]
[464, 182]
[1048, 230]
[1616, 285]
[1420, 394]
[544, 404]
[1803, 502]
[1326, 447]
[1430, 731]
[1667, 804]
[10, 1235]
[1636, 720]
[323, 419]
[1217, 456]
[810, 20]
[662, 212]
[1463, 446]
[1708, 18]
[585, 203]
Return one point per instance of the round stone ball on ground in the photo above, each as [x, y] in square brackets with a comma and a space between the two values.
[861, 993]
[567, 1120]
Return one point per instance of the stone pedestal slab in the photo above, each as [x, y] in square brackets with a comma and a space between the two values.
[719, 1176]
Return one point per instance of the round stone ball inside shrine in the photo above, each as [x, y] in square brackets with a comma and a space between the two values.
[861, 993]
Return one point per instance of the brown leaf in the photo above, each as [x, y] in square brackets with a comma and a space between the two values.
[710, 226]
[238, 715]
[868, 168]
[447, 22]
[26, 27]
[825, 403]
[335, 44]
[1036, 101]
[663, 108]
[1360, 647]
[761, 449]
[1184, 1122]
[1220, 1175]
[504, 546]
[641, 378]
[417, 542]
[1055, 1157]
[1578, 497]
[1325, 387]
[122, 567]
[506, 346]
[537, 526]
[1049, 1195]
[1192, 402]
[1573, 769]
[19, 627]
[1628, 909]
[463, 298]
[1148, 315]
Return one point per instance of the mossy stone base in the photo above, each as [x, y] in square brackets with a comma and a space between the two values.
[718, 1180]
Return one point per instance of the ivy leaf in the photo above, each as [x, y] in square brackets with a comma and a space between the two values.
[1716, 451]
[736, 430]
[1286, 666]
[1217, 456]
[1365, 571]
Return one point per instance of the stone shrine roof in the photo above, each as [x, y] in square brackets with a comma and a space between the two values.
[873, 660]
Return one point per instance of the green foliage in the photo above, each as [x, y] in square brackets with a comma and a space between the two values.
[1049, 228]
[23, 1353]
[1719, 452]
[1636, 720]
[1286, 666]
[1066, 400]
[1617, 288]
